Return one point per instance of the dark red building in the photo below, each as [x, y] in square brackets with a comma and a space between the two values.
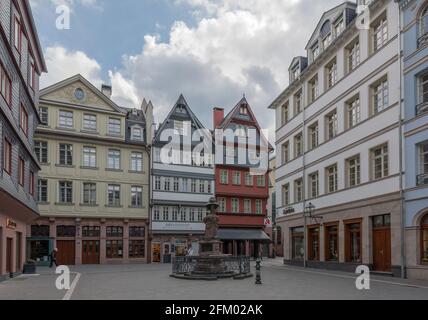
[242, 188]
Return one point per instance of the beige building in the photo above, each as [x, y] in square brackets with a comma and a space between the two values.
[93, 190]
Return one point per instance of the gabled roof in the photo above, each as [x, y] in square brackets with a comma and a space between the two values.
[299, 59]
[79, 77]
[181, 101]
[235, 111]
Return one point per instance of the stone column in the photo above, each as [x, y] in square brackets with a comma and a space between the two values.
[103, 235]
[126, 241]
[322, 243]
[78, 241]
[341, 240]
[366, 234]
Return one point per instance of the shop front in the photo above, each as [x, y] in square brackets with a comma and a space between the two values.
[245, 242]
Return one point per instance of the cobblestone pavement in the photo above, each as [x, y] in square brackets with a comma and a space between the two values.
[153, 282]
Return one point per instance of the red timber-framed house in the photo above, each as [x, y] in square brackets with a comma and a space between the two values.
[242, 187]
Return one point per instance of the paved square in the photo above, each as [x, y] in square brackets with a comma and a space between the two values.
[136, 282]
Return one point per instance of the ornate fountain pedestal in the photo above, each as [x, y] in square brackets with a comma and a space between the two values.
[211, 264]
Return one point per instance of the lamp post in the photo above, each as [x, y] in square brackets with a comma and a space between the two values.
[309, 208]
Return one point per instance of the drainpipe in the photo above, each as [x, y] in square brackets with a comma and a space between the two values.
[401, 142]
[305, 224]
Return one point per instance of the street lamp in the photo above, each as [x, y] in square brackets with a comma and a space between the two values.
[309, 209]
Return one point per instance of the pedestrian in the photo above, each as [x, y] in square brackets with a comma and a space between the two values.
[52, 258]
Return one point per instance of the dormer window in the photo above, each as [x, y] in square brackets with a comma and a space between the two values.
[243, 110]
[136, 134]
[339, 27]
[326, 41]
[295, 73]
[315, 51]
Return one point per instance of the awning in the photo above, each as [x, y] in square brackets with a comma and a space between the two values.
[242, 234]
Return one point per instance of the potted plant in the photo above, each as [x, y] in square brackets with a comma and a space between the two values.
[29, 267]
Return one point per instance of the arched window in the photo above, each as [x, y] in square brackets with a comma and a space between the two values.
[424, 22]
[424, 239]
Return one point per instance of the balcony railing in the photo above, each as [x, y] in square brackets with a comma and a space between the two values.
[422, 108]
[422, 179]
[423, 40]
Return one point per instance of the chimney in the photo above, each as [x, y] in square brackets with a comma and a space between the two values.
[218, 116]
[106, 90]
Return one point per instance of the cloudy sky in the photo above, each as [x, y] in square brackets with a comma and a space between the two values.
[212, 51]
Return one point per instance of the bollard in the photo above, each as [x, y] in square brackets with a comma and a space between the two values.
[258, 273]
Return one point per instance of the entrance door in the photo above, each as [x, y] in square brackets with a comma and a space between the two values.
[9, 242]
[156, 252]
[66, 252]
[382, 249]
[90, 252]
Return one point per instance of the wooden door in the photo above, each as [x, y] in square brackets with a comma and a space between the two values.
[9, 242]
[382, 249]
[90, 252]
[66, 252]
[156, 252]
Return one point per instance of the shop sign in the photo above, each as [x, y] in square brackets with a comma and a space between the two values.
[268, 222]
[10, 224]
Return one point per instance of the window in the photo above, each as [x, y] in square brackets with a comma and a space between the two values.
[380, 33]
[5, 85]
[313, 136]
[136, 134]
[259, 206]
[114, 126]
[32, 74]
[353, 242]
[174, 214]
[380, 162]
[298, 190]
[295, 72]
[179, 127]
[331, 73]
[201, 186]
[157, 183]
[156, 214]
[40, 231]
[91, 231]
[114, 232]
[176, 184]
[7, 157]
[41, 151]
[17, 35]
[285, 150]
[136, 161]
[380, 96]
[315, 51]
[237, 178]
[297, 243]
[326, 41]
[31, 186]
[353, 55]
[23, 120]
[298, 145]
[243, 110]
[165, 214]
[339, 27]
[89, 157]
[137, 196]
[285, 113]
[113, 195]
[66, 231]
[157, 154]
[209, 187]
[65, 119]
[249, 180]
[114, 249]
[332, 243]
[90, 122]
[313, 185]
[285, 195]
[382, 221]
[235, 205]
[222, 205]
[193, 185]
[424, 240]
[89, 194]
[353, 112]
[423, 164]
[331, 125]
[314, 244]
[183, 214]
[353, 172]
[313, 89]
[21, 171]
[65, 192]
[44, 115]
[423, 94]
[298, 103]
[192, 214]
[66, 154]
[42, 191]
[136, 249]
[113, 161]
[200, 214]
[224, 177]
[247, 206]
[261, 181]
[331, 173]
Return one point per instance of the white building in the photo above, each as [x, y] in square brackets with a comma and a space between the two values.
[337, 143]
[182, 188]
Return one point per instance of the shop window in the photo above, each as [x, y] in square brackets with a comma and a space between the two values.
[424, 244]
[91, 231]
[114, 249]
[332, 243]
[136, 232]
[39, 231]
[116, 232]
[136, 249]
[297, 239]
[314, 244]
[65, 231]
[353, 242]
